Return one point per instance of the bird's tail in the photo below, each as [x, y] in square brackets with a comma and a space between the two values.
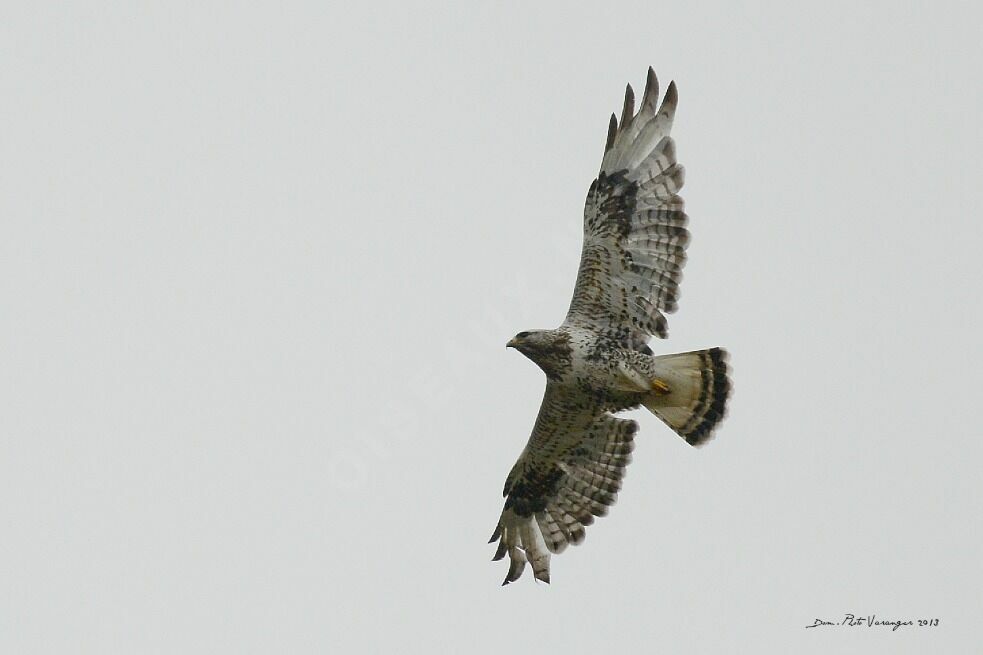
[696, 398]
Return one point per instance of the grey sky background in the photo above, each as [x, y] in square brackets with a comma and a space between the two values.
[259, 264]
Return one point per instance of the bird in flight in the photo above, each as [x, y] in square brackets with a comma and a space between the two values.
[598, 362]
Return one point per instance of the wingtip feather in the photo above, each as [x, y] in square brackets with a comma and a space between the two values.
[612, 132]
[628, 111]
[651, 88]
[671, 100]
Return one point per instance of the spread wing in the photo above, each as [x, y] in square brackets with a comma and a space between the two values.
[568, 473]
[635, 233]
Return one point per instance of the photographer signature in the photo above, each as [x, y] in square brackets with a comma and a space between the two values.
[851, 620]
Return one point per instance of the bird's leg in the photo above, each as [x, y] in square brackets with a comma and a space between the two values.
[660, 387]
[633, 379]
[636, 373]
[630, 379]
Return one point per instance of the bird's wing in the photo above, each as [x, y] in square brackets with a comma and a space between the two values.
[635, 233]
[568, 473]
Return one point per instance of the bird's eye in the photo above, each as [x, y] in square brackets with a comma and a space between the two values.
[522, 335]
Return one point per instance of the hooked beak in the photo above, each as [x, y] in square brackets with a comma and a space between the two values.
[513, 343]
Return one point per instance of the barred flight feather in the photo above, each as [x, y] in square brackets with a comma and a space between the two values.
[633, 216]
[543, 517]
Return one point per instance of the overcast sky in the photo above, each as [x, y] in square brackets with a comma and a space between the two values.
[259, 264]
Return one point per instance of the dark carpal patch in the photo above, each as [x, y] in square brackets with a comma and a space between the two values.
[529, 493]
[614, 196]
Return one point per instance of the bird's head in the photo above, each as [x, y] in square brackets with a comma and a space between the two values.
[528, 341]
[550, 349]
